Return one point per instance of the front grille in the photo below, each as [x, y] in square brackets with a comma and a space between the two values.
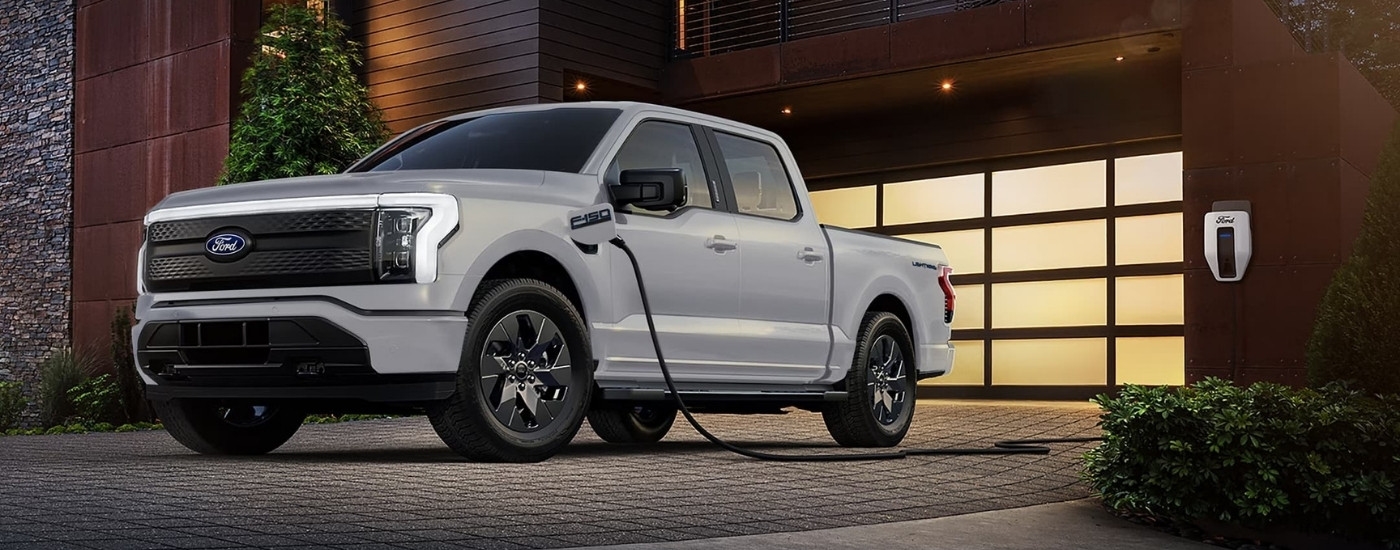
[264, 224]
[286, 250]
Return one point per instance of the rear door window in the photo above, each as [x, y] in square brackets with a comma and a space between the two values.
[761, 183]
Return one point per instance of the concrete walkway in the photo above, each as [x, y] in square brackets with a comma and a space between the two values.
[1065, 525]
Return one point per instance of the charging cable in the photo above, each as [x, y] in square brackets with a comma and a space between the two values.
[1014, 446]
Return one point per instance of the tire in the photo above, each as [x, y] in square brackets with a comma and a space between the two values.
[214, 427]
[521, 394]
[880, 397]
[632, 424]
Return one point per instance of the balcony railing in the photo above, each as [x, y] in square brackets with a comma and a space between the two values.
[708, 27]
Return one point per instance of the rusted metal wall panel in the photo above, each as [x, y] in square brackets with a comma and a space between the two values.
[1265, 122]
[152, 115]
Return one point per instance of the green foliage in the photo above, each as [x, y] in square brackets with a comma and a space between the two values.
[82, 428]
[124, 363]
[64, 370]
[1355, 337]
[12, 403]
[98, 399]
[304, 111]
[1264, 456]
[334, 418]
[1367, 32]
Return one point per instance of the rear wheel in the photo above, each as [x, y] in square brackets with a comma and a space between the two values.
[880, 402]
[229, 428]
[525, 376]
[632, 423]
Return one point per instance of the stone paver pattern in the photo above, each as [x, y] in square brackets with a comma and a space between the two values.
[393, 484]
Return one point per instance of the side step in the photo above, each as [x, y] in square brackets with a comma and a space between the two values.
[703, 396]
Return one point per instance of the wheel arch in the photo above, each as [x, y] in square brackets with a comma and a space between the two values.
[890, 294]
[536, 255]
[889, 303]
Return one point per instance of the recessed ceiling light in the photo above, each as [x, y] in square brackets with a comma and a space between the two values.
[786, 110]
[1119, 58]
[946, 86]
[581, 86]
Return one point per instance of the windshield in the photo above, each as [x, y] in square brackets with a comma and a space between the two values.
[556, 140]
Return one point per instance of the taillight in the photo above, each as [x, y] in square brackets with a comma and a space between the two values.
[949, 297]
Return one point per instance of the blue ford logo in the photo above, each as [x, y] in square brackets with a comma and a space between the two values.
[225, 244]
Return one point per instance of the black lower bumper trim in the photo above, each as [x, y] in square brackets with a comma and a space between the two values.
[424, 388]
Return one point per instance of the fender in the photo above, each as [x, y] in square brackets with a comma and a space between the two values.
[576, 265]
[884, 284]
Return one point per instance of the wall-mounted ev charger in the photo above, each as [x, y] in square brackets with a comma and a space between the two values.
[1228, 240]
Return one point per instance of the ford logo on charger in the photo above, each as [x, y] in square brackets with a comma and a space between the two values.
[225, 244]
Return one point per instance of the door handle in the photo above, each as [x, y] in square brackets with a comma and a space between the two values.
[809, 255]
[718, 243]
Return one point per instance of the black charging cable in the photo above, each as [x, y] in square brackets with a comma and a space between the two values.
[1014, 446]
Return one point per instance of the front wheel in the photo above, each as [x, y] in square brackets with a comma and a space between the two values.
[525, 376]
[215, 427]
[880, 400]
[632, 423]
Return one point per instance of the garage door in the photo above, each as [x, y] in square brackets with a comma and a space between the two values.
[1068, 273]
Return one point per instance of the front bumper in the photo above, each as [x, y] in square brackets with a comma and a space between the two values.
[296, 347]
[384, 389]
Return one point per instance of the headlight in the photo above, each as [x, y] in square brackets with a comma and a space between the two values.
[396, 233]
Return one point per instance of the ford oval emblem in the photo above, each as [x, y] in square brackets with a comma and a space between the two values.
[225, 244]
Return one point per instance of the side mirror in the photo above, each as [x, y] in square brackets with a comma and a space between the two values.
[650, 188]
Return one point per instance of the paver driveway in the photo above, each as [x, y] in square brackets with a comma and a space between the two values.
[393, 484]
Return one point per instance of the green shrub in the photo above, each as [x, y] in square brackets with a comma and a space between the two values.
[62, 371]
[1264, 456]
[1354, 338]
[124, 363]
[304, 110]
[98, 399]
[12, 403]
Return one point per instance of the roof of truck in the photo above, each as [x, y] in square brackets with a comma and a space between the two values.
[628, 108]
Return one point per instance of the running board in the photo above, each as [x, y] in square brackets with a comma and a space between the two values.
[658, 394]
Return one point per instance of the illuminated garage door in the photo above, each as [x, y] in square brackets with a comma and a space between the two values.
[1067, 274]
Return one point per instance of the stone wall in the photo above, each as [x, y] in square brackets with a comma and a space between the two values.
[36, 184]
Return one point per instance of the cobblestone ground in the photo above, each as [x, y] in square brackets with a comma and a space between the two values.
[393, 484]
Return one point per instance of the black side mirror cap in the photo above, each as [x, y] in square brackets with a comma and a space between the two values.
[650, 188]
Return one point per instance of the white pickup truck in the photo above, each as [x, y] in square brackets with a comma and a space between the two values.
[438, 274]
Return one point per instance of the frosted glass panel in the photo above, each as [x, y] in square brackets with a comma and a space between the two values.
[969, 312]
[1151, 361]
[1049, 188]
[1078, 302]
[968, 366]
[966, 250]
[1148, 239]
[1154, 300]
[1051, 362]
[853, 207]
[1150, 178]
[1050, 246]
[932, 200]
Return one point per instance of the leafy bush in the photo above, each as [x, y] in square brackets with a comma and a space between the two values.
[98, 399]
[336, 418]
[124, 363]
[82, 428]
[12, 403]
[1354, 338]
[1264, 456]
[304, 110]
[62, 371]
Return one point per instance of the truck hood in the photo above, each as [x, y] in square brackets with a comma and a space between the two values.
[459, 183]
